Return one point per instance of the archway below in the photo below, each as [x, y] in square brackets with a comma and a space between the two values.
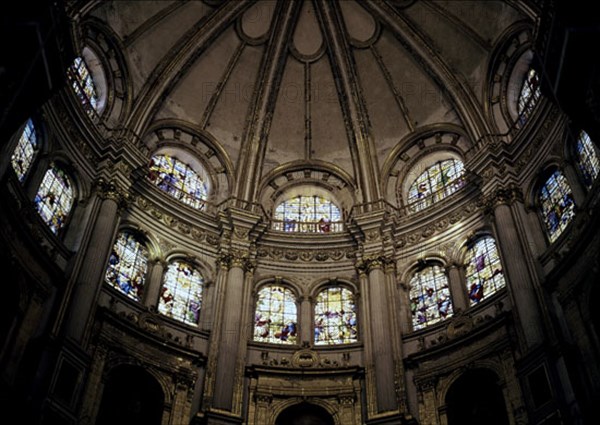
[475, 398]
[304, 414]
[131, 396]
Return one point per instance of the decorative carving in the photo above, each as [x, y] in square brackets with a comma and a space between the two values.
[110, 190]
[503, 196]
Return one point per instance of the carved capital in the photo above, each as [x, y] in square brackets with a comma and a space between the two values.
[503, 196]
[367, 264]
[111, 191]
[236, 259]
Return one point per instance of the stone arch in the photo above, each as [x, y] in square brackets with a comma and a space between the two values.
[131, 395]
[476, 397]
[305, 414]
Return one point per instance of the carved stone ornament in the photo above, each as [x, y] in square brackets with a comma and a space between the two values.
[503, 196]
[110, 190]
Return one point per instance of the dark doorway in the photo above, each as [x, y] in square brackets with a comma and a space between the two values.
[304, 414]
[131, 396]
[475, 399]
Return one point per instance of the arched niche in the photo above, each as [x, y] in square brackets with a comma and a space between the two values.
[476, 398]
[131, 396]
[304, 414]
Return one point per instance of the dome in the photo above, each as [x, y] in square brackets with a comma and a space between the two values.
[303, 211]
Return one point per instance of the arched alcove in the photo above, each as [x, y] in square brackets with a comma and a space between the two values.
[476, 398]
[304, 414]
[131, 396]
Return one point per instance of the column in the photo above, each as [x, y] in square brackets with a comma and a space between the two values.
[230, 333]
[456, 281]
[154, 282]
[92, 259]
[383, 362]
[520, 282]
[306, 320]
[405, 311]
[574, 180]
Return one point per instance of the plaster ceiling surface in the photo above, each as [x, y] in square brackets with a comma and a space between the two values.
[385, 63]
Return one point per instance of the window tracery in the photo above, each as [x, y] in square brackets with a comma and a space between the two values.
[275, 317]
[181, 293]
[179, 180]
[587, 159]
[484, 270]
[335, 317]
[127, 265]
[54, 198]
[430, 299]
[308, 214]
[528, 97]
[25, 151]
[557, 204]
[83, 85]
[436, 183]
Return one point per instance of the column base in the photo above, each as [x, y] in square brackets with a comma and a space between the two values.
[393, 419]
[215, 418]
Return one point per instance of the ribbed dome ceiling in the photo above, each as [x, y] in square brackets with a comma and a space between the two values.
[307, 77]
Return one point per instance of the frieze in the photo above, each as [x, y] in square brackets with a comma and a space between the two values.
[185, 229]
[438, 226]
[305, 255]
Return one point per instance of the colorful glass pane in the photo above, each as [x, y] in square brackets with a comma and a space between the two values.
[528, 97]
[275, 318]
[181, 293]
[587, 159]
[430, 299]
[484, 270]
[127, 265]
[557, 204]
[335, 317]
[54, 198]
[24, 152]
[308, 214]
[438, 181]
[83, 85]
[178, 180]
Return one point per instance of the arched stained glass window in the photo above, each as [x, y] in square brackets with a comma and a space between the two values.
[83, 85]
[275, 318]
[528, 97]
[178, 179]
[430, 299]
[127, 265]
[484, 270]
[587, 159]
[308, 214]
[557, 204]
[438, 181]
[335, 317]
[181, 293]
[54, 198]
[25, 150]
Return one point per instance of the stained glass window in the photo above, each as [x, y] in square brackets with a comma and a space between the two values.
[83, 85]
[309, 214]
[528, 97]
[127, 265]
[24, 153]
[54, 198]
[181, 293]
[335, 317]
[438, 181]
[484, 270]
[430, 299]
[557, 204]
[178, 180]
[275, 318]
[587, 159]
